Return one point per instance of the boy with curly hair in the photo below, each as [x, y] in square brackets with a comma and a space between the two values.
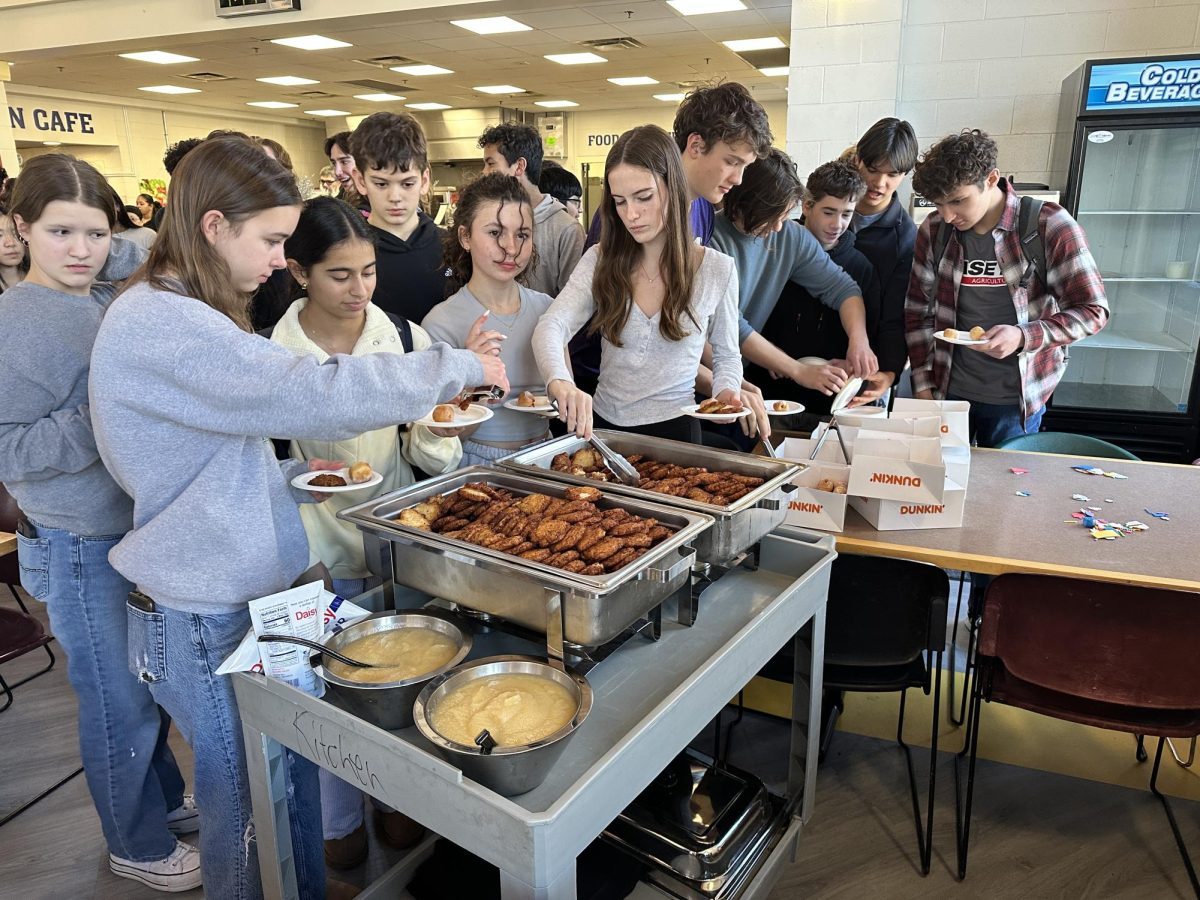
[1020, 270]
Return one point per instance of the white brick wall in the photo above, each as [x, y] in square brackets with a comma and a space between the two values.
[991, 64]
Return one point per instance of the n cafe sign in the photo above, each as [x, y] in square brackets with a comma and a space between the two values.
[43, 122]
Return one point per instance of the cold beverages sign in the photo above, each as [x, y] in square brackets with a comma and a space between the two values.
[1145, 85]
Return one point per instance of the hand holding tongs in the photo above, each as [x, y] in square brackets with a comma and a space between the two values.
[488, 393]
[616, 463]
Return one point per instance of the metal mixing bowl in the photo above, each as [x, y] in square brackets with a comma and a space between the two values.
[507, 770]
[389, 704]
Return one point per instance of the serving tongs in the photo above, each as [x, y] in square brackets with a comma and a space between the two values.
[316, 645]
[487, 393]
[617, 464]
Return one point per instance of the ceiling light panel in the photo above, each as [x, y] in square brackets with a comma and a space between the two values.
[378, 98]
[427, 106]
[575, 59]
[492, 25]
[419, 70]
[764, 43]
[499, 89]
[169, 89]
[272, 104]
[669, 98]
[287, 80]
[162, 57]
[326, 112]
[634, 80]
[555, 104]
[311, 42]
[774, 71]
[704, 7]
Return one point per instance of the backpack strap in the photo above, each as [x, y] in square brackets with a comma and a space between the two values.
[1032, 244]
[940, 239]
[405, 329]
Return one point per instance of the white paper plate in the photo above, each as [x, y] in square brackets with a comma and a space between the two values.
[718, 418]
[812, 360]
[472, 415]
[848, 392]
[966, 342]
[541, 404]
[302, 481]
[792, 408]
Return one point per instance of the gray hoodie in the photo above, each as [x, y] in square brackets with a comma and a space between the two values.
[182, 400]
[48, 456]
[558, 241]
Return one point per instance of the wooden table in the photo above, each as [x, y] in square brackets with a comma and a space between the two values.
[8, 543]
[1003, 532]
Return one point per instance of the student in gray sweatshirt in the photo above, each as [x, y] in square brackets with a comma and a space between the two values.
[183, 397]
[74, 512]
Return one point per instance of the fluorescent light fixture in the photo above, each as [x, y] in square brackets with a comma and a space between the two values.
[169, 89]
[51, 143]
[704, 7]
[498, 89]
[272, 104]
[427, 106]
[492, 25]
[669, 98]
[767, 43]
[574, 59]
[634, 80]
[326, 112]
[422, 69]
[774, 71]
[162, 57]
[287, 80]
[311, 42]
[555, 104]
[378, 98]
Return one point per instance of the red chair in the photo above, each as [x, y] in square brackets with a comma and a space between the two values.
[1108, 655]
[20, 633]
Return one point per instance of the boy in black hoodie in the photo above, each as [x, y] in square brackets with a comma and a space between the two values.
[392, 172]
[801, 325]
[885, 234]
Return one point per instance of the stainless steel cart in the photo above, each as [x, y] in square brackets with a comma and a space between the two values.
[650, 699]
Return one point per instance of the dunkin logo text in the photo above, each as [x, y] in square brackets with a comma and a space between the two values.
[921, 510]
[902, 480]
[804, 507]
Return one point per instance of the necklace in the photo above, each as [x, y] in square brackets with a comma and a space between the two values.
[648, 276]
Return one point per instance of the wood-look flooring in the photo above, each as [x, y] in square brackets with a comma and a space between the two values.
[1035, 834]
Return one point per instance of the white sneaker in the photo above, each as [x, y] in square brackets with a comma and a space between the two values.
[186, 818]
[178, 872]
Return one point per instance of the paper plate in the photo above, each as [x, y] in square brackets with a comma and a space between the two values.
[812, 360]
[541, 404]
[965, 342]
[718, 418]
[472, 415]
[792, 408]
[843, 397]
[302, 481]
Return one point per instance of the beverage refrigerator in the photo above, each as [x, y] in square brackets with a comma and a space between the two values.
[1128, 148]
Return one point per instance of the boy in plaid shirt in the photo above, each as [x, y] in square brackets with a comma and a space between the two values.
[986, 277]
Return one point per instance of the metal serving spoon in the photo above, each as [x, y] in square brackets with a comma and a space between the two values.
[315, 645]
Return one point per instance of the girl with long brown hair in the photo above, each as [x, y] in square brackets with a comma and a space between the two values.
[183, 396]
[654, 297]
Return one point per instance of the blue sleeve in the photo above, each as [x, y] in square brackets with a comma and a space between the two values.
[814, 271]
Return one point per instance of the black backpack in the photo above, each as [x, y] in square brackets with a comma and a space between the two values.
[1033, 245]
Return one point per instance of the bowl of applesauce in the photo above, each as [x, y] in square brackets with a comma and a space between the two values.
[410, 646]
[503, 720]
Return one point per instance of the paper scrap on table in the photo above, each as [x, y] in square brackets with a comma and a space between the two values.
[1166, 517]
[1096, 508]
[1104, 534]
[1137, 526]
[1017, 471]
[1096, 470]
[1109, 500]
[1022, 493]
[1080, 497]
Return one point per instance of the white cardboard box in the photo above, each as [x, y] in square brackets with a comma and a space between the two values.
[895, 515]
[958, 464]
[809, 507]
[956, 415]
[798, 450]
[891, 466]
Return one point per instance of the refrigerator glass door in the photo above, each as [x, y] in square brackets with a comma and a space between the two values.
[1139, 202]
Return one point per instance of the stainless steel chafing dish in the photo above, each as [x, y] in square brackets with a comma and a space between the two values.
[587, 611]
[738, 526]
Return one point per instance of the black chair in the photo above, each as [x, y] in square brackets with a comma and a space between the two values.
[20, 633]
[885, 630]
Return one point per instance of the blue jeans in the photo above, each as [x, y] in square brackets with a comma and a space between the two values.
[130, 770]
[992, 424]
[177, 654]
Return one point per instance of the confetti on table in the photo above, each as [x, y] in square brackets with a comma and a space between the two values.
[1095, 470]
[1137, 526]
[1117, 475]
[1109, 500]
[1022, 493]
[1166, 517]
[1105, 534]
[1096, 508]
[1080, 497]
[1019, 471]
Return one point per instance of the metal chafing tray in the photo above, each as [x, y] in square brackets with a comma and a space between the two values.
[587, 611]
[737, 527]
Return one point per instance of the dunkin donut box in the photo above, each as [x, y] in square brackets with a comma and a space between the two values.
[809, 507]
[889, 465]
[896, 515]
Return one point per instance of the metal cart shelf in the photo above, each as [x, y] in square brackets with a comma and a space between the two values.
[650, 699]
